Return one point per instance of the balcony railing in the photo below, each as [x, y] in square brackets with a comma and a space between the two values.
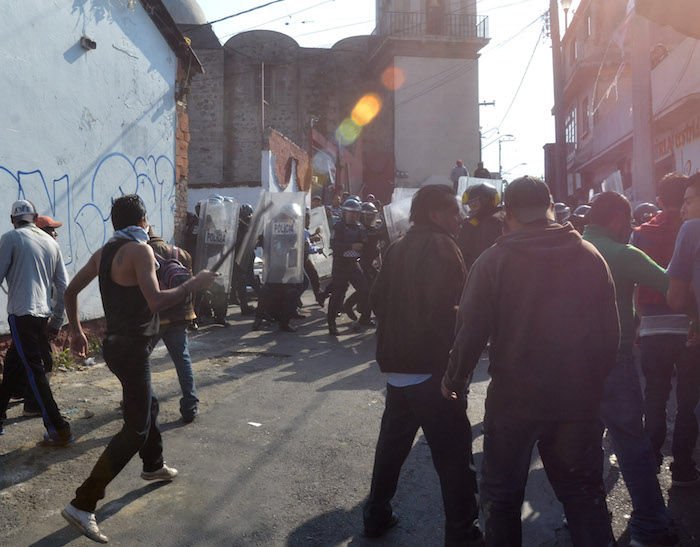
[418, 24]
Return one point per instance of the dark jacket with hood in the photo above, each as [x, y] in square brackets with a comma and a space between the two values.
[479, 233]
[546, 299]
[415, 300]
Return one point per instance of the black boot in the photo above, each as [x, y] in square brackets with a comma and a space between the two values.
[257, 323]
[332, 329]
[286, 327]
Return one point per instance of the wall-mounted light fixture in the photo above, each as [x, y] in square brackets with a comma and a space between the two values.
[87, 44]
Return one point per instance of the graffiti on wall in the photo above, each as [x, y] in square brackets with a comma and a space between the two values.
[85, 209]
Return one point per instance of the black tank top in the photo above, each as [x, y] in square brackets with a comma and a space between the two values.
[126, 310]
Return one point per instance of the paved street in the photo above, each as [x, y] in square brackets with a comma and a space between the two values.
[281, 453]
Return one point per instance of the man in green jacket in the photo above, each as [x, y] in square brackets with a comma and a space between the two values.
[622, 409]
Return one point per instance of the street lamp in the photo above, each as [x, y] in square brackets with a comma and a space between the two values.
[503, 138]
[566, 5]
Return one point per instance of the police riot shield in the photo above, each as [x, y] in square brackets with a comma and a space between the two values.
[396, 216]
[283, 238]
[321, 238]
[218, 222]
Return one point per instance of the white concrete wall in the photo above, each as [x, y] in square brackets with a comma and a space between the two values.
[78, 127]
[436, 117]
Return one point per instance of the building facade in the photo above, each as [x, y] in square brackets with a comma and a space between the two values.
[420, 64]
[95, 108]
[599, 99]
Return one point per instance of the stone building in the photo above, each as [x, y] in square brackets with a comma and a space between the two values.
[420, 64]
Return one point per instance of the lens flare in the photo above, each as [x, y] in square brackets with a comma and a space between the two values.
[393, 78]
[366, 109]
[347, 132]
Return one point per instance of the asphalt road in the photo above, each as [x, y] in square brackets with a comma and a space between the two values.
[281, 453]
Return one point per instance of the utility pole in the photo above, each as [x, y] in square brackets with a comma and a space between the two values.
[642, 113]
[262, 103]
[560, 187]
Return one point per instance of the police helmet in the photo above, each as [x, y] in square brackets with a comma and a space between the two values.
[356, 198]
[582, 211]
[485, 192]
[246, 211]
[369, 214]
[644, 212]
[215, 197]
[349, 207]
[561, 212]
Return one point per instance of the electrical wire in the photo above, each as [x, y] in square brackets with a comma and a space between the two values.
[192, 27]
[527, 68]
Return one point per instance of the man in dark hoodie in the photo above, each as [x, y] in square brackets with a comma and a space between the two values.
[547, 375]
[484, 224]
[622, 408]
[664, 334]
[415, 306]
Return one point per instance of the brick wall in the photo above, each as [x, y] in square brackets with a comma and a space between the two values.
[206, 112]
[284, 151]
[182, 142]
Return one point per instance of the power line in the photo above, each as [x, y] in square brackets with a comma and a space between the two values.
[537, 43]
[192, 27]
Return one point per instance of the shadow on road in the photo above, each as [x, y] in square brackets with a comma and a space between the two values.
[68, 534]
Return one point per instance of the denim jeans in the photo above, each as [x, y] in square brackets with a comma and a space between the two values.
[175, 338]
[128, 359]
[660, 354]
[621, 413]
[573, 460]
[447, 430]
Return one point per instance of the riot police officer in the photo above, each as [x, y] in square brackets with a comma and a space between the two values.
[484, 223]
[283, 267]
[579, 218]
[644, 212]
[243, 273]
[561, 212]
[347, 241]
[370, 257]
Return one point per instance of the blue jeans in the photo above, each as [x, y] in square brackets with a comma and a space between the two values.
[660, 355]
[174, 337]
[621, 412]
[573, 460]
[447, 430]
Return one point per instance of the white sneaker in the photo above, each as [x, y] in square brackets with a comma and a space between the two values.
[84, 522]
[165, 473]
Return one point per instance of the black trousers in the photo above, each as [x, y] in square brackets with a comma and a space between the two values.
[128, 359]
[370, 273]
[24, 363]
[659, 356]
[346, 271]
[278, 300]
[310, 270]
[448, 432]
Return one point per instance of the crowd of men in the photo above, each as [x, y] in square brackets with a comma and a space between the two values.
[509, 270]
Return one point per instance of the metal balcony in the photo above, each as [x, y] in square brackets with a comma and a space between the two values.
[398, 24]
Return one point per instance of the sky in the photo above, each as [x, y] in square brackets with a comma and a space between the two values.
[518, 39]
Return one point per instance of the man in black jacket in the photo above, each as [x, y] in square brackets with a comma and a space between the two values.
[415, 305]
[547, 376]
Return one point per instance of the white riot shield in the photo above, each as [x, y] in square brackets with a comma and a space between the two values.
[396, 216]
[218, 222]
[283, 239]
[401, 193]
[321, 238]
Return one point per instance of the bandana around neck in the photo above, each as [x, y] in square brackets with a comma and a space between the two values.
[134, 233]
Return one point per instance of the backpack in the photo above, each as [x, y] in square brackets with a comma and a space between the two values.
[171, 272]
